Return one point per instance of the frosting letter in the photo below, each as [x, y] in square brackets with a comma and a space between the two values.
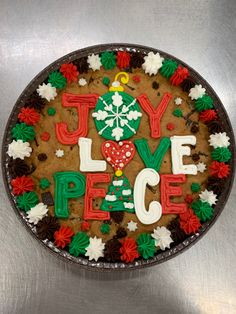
[63, 191]
[152, 160]
[86, 162]
[91, 193]
[151, 177]
[82, 103]
[155, 114]
[178, 151]
[168, 190]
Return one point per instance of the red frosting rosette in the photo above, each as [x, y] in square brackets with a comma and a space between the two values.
[22, 184]
[29, 115]
[123, 59]
[128, 250]
[219, 169]
[69, 71]
[179, 75]
[189, 222]
[208, 115]
[63, 236]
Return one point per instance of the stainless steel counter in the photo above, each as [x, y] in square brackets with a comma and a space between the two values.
[35, 33]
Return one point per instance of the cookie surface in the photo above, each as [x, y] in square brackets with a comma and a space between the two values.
[108, 135]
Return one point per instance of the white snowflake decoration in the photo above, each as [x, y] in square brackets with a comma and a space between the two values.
[162, 237]
[152, 63]
[219, 140]
[132, 225]
[117, 116]
[36, 213]
[47, 91]
[82, 81]
[94, 62]
[209, 197]
[197, 92]
[178, 101]
[201, 167]
[95, 249]
[19, 149]
[59, 153]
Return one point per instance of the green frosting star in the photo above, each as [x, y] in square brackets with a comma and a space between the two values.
[221, 154]
[106, 80]
[27, 200]
[44, 183]
[108, 60]
[79, 243]
[203, 210]
[204, 103]
[24, 132]
[51, 111]
[178, 113]
[146, 245]
[105, 228]
[168, 68]
[57, 80]
[195, 187]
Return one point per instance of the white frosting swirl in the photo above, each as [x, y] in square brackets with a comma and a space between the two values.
[95, 249]
[47, 91]
[19, 149]
[197, 92]
[219, 140]
[36, 213]
[162, 237]
[152, 63]
[94, 62]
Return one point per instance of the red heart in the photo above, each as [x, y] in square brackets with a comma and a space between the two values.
[118, 154]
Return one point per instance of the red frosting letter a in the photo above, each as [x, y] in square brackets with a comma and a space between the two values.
[155, 114]
[82, 103]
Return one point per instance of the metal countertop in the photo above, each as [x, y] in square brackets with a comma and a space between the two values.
[35, 33]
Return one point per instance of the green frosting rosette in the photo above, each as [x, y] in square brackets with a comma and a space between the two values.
[24, 132]
[27, 200]
[108, 60]
[79, 243]
[57, 80]
[105, 228]
[221, 154]
[204, 103]
[146, 245]
[203, 210]
[44, 183]
[168, 68]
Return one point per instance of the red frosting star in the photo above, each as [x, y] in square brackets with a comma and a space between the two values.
[69, 71]
[45, 136]
[128, 250]
[22, 184]
[219, 169]
[136, 78]
[188, 198]
[29, 115]
[123, 59]
[63, 236]
[189, 222]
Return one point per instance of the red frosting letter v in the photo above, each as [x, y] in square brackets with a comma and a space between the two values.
[82, 103]
[154, 114]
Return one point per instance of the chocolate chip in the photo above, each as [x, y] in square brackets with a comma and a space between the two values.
[47, 198]
[120, 233]
[155, 85]
[195, 157]
[194, 128]
[42, 157]
[107, 222]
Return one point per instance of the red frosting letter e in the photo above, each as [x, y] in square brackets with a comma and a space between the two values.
[82, 103]
[168, 190]
[91, 192]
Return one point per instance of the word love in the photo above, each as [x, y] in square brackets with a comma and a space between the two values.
[151, 160]
[71, 185]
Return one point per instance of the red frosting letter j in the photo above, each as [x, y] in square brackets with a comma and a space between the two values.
[82, 103]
